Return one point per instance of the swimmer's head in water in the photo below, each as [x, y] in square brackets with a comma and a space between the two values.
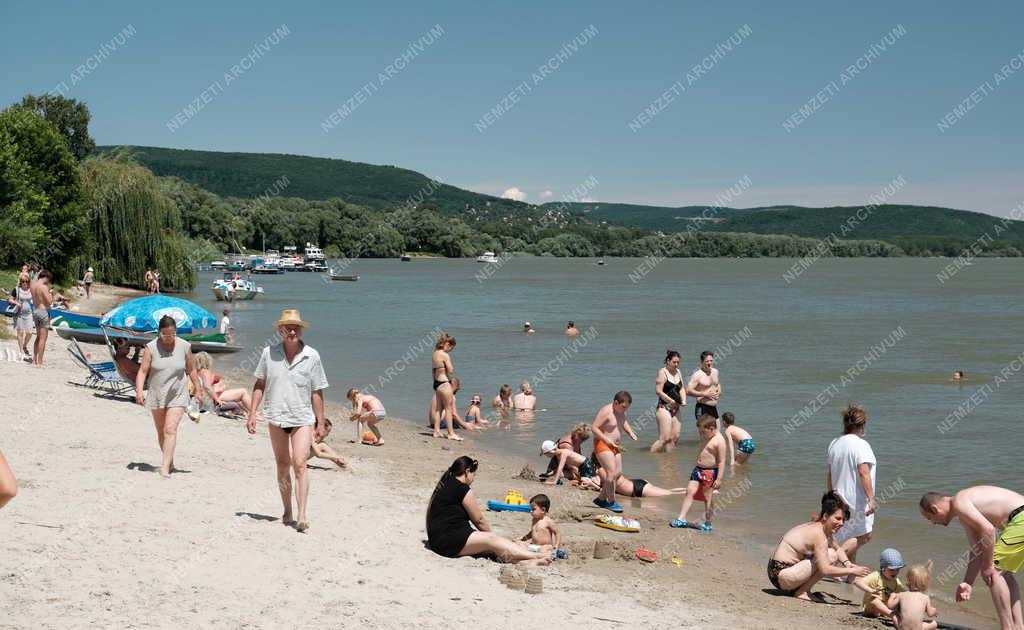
[958, 375]
[571, 324]
[505, 391]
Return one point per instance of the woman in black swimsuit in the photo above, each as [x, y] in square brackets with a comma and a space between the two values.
[441, 368]
[671, 396]
[453, 512]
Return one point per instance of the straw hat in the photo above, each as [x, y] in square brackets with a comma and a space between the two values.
[291, 317]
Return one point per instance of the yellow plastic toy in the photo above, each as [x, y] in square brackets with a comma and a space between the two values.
[514, 497]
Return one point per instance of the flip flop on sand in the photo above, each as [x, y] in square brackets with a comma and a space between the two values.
[457, 438]
[646, 555]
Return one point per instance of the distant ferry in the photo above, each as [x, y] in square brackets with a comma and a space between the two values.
[488, 257]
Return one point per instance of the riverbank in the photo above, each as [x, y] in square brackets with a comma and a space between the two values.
[95, 536]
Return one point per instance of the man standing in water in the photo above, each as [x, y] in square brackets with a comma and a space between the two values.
[705, 387]
[982, 510]
[608, 426]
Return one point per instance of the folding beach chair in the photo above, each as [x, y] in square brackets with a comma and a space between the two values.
[102, 375]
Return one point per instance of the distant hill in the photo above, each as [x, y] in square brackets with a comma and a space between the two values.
[885, 222]
[254, 174]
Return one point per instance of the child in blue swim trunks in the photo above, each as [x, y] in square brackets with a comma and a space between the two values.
[738, 440]
[707, 474]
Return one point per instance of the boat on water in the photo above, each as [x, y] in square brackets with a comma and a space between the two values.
[488, 257]
[218, 264]
[213, 343]
[233, 288]
[290, 260]
[313, 259]
[600, 262]
[405, 258]
[344, 278]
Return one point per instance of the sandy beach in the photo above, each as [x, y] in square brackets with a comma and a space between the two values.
[96, 537]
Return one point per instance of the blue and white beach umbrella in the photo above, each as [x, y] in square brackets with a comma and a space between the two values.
[143, 314]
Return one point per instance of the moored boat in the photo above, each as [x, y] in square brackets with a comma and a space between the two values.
[212, 343]
[344, 278]
[488, 257]
[233, 288]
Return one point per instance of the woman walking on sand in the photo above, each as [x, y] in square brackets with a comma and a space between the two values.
[671, 393]
[22, 299]
[167, 364]
[290, 381]
[87, 281]
[851, 473]
[441, 369]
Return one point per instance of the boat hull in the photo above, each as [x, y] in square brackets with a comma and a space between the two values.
[95, 336]
[239, 295]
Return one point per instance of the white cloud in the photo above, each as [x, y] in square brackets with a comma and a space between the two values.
[546, 194]
[514, 193]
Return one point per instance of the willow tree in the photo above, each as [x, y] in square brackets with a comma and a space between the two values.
[133, 227]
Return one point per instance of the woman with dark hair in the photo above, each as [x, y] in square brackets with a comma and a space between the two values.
[851, 473]
[671, 393]
[167, 365]
[809, 552]
[452, 514]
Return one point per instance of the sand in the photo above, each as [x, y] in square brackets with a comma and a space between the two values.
[96, 537]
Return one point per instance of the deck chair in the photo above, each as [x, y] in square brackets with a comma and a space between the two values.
[102, 375]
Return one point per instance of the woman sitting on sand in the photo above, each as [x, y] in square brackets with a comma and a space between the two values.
[566, 455]
[808, 552]
[504, 398]
[218, 391]
[524, 400]
[452, 514]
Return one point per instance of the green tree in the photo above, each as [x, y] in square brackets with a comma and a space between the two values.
[70, 117]
[41, 216]
[135, 226]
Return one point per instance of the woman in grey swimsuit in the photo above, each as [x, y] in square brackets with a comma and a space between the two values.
[167, 365]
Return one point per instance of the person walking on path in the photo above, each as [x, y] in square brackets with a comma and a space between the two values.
[167, 364]
[87, 281]
[289, 384]
[851, 473]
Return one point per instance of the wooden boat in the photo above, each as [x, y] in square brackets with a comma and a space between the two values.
[199, 343]
[345, 278]
[73, 319]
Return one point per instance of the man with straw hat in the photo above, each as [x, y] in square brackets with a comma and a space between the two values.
[290, 381]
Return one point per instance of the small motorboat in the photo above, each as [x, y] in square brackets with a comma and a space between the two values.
[405, 258]
[232, 288]
[488, 257]
[600, 262]
[344, 278]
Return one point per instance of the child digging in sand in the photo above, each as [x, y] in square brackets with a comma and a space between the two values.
[319, 449]
[737, 439]
[879, 585]
[910, 608]
[368, 409]
[707, 474]
[544, 532]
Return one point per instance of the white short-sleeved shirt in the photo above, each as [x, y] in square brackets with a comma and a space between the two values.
[845, 454]
[225, 324]
[287, 398]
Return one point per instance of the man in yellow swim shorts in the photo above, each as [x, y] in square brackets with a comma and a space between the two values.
[982, 510]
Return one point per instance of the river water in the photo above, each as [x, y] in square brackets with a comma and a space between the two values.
[794, 344]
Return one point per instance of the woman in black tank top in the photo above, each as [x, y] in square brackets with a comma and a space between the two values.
[671, 396]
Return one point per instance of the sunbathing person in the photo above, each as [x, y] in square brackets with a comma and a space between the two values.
[627, 487]
[809, 552]
[216, 389]
[127, 366]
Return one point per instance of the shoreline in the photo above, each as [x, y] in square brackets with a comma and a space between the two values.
[103, 527]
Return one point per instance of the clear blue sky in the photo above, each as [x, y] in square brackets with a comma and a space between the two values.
[575, 123]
